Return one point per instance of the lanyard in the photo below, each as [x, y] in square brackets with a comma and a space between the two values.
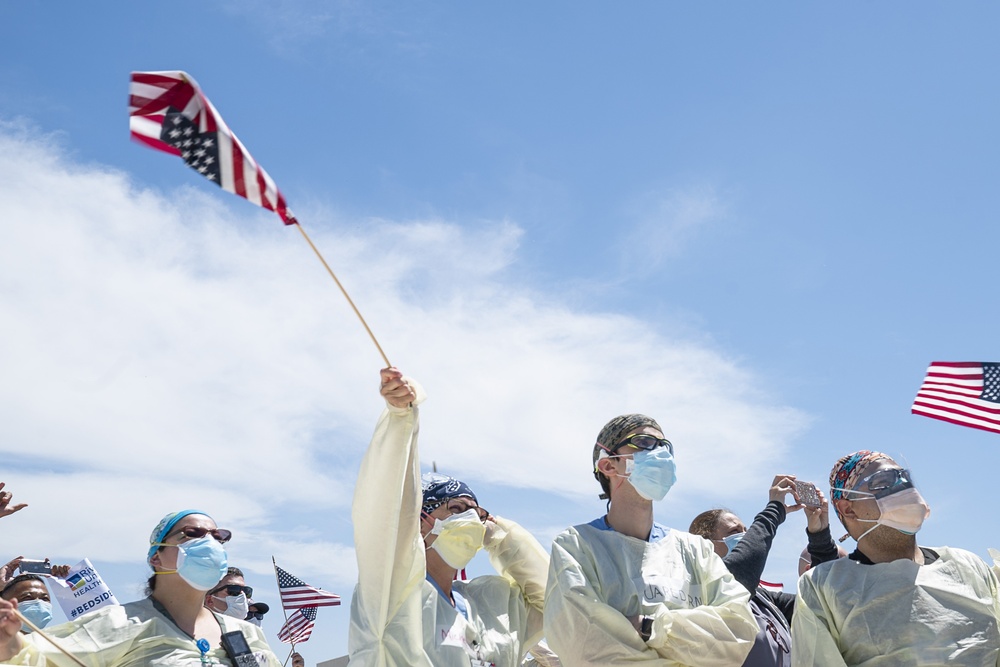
[203, 646]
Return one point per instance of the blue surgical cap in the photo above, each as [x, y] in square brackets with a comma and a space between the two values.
[163, 528]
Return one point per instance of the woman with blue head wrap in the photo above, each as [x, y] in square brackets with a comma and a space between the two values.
[412, 536]
[169, 627]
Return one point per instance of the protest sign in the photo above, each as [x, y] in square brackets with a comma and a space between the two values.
[82, 591]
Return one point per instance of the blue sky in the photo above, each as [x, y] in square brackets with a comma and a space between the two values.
[758, 224]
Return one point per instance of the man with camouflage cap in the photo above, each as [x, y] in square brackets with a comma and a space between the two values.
[624, 589]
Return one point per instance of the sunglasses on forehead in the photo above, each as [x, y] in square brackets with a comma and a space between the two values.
[221, 535]
[235, 589]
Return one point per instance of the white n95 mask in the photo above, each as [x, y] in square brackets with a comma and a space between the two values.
[237, 606]
[459, 537]
[905, 511]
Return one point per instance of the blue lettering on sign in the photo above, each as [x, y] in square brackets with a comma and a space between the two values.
[90, 604]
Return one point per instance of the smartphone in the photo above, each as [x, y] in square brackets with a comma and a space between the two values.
[36, 566]
[808, 495]
[238, 649]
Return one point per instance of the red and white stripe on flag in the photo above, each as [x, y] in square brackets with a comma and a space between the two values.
[157, 98]
[299, 626]
[774, 588]
[961, 392]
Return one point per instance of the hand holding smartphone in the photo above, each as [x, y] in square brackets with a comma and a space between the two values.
[35, 566]
[808, 494]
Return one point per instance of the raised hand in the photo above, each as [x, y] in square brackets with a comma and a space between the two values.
[397, 392]
[782, 486]
[6, 509]
[8, 570]
[818, 518]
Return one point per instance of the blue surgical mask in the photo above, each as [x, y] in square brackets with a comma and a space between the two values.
[38, 612]
[732, 540]
[201, 562]
[652, 472]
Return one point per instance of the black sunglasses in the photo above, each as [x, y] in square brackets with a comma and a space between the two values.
[259, 615]
[235, 589]
[645, 442]
[221, 535]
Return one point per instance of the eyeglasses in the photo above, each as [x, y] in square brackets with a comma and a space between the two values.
[644, 442]
[235, 589]
[259, 615]
[221, 535]
[884, 482]
[455, 507]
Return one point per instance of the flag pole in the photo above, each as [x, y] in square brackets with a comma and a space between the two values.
[283, 610]
[275, 564]
[346, 296]
[48, 638]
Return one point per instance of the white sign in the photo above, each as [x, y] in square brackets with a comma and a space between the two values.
[82, 590]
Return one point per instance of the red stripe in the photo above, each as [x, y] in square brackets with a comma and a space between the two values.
[952, 390]
[949, 386]
[955, 421]
[957, 412]
[155, 79]
[239, 187]
[315, 602]
[283, 211]
[176, 96]
[958, 364]
[262, 186]
[974, 406]
[952, 376]
[142, 106]
[211, 125]
[154, 143]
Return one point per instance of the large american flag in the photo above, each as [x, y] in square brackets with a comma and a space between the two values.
[168, 112]
[961, 392]
[299, 626]
[296, 593]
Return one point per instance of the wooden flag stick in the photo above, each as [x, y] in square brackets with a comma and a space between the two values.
[49, 639]
[344, 292]
[274, 562]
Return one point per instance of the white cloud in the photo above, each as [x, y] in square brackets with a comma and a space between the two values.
[161, 350]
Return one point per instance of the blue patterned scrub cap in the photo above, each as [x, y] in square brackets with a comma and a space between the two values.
[439, 489]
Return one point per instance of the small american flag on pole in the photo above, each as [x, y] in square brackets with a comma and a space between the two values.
[299, 626]
[961, 392]
[296, 593]
[168, 112]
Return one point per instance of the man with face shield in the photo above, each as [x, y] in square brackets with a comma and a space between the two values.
[623, 589]
[412, 535]
[892, 602]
